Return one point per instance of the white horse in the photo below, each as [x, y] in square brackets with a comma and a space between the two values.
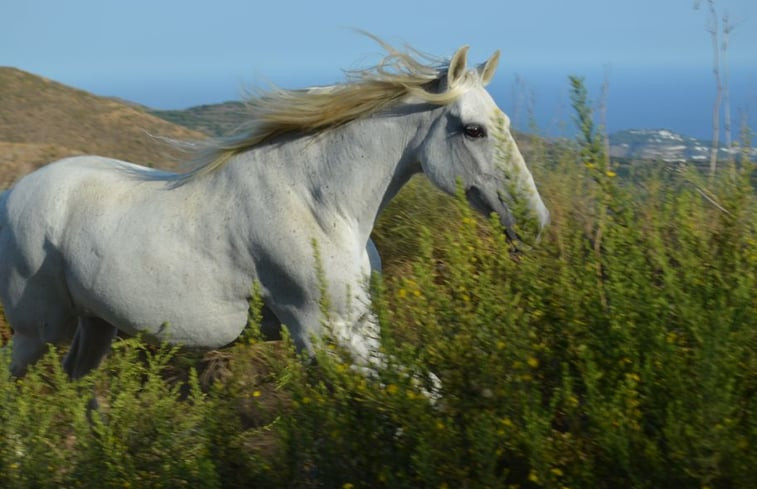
[91, 245]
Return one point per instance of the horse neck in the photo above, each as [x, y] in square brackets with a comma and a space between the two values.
[352, 171]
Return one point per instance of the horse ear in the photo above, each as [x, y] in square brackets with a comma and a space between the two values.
[457, 66]
[487, 69]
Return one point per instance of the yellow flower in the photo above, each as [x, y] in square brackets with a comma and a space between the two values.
[533, 362]
[557, 472]
[391, 389]
[256, 394]
[348, 485]
[610, 173]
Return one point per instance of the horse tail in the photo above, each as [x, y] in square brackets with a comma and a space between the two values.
[3, 197]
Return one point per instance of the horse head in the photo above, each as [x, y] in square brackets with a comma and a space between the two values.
[468, 142]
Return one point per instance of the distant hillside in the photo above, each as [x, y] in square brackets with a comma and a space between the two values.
[664, 145]
[213, 120]
[42, 120]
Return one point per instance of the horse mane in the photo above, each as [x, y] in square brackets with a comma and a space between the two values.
[278, 112]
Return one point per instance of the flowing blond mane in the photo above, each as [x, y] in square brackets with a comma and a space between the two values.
[399, 74]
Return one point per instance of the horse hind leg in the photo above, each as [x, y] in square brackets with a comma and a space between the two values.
[91, 342]
[32, 335]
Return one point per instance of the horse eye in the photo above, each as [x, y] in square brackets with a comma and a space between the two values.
[474, 131]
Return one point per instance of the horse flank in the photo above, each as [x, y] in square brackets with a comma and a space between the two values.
[278, 112]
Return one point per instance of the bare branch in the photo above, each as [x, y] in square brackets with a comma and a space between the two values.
[603, 113]
[712, 28]
[728, 26]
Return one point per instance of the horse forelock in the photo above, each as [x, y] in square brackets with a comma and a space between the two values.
[399, 75]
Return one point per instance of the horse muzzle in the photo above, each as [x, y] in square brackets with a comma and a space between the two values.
[480, 202]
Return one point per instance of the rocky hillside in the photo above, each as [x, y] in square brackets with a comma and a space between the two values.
[41, 121]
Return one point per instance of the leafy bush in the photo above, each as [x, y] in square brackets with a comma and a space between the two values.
[144, 432]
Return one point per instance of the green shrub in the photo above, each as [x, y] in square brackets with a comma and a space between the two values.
[616, 354]
[39, 418]
[145, 432]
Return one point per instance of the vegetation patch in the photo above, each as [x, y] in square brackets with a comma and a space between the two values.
[619, 351]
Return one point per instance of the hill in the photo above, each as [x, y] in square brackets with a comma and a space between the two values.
[213, 120]
[665, 145]
[42, 120]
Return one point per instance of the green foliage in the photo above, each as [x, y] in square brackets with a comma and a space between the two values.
[589, 140]
[620, 351]
[124, 426]
[618, 354]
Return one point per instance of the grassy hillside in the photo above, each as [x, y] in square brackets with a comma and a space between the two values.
[18, 159]
[41, 120]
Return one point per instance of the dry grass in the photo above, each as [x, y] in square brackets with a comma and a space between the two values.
[41, 120]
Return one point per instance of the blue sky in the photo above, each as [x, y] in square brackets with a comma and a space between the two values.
[174, 54]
